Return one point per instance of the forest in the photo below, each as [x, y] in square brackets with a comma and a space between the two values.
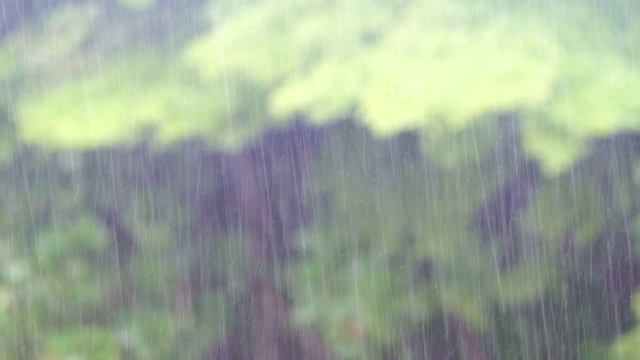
[320, 180]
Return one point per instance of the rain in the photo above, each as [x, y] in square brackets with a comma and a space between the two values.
[319, 180]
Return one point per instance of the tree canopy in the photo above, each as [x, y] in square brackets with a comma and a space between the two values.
[462, 165]
[233, 69]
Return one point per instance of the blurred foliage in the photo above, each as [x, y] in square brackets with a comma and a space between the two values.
[626, 347]
[446, 100]
[63, 293]
[393, 66]
[440, 66]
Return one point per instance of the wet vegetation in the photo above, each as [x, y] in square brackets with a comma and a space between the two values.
[364, 179]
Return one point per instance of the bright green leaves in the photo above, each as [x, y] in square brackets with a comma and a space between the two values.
[451, 72]
[299, 34]
[107, 108]
[398, 70]
[593, 94]
[44, 49]
[599, 98]
[134, 97]
[555, 150]
[326, 93]
[87, 88]
[438, 66]
[311, 60]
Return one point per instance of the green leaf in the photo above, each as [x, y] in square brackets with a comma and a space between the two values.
[556, 151]
[526, 283]
[91, 343]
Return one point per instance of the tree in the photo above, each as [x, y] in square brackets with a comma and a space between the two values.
[460, 164]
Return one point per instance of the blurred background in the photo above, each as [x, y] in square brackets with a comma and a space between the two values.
[313, 179]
